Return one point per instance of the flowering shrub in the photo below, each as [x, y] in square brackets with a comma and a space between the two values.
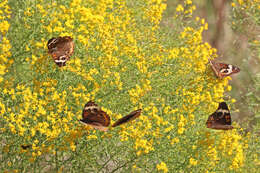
[123, 60]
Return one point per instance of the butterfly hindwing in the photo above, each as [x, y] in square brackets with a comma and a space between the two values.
[222, 70]
[133, 115]
[220, 119]
[61, 48]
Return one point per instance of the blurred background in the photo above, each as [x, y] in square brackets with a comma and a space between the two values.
[234, 30]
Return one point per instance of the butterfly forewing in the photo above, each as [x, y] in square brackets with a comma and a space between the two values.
[60, 48]
[220, 119]
[222, 70]
[133, 115]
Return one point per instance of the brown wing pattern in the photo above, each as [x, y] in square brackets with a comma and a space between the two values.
[24, 147]
[61, 48]
[133, 115]
[95, 117]
[92, 115]
[220, 119]
[222, 70]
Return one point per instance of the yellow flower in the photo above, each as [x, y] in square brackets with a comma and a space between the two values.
[4, 26]
[92, 137]
[162, 167]
[179, 8]
[229, 88]
[175, 140]
[188, 2]
[193, 162]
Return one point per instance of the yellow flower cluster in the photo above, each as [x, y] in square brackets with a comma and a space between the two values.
[5, 43]
[162, 167]
[121, 61]
[154, 11]
[186, 10]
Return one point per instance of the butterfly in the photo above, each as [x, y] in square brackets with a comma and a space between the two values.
[220, 119]
[60, 48]
[222, 70]
[94, 116]
[24, 147]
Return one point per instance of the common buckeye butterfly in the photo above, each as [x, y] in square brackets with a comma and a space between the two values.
[220, 119]
[94, 116]
[60, 48]
[222, 70]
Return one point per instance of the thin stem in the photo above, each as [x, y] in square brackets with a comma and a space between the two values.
[123, 165]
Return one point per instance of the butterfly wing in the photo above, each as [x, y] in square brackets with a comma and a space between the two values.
[222, 70]
[61, 48]
[95, 125]
[214, 67]
[133, 115]
[92, 115]
[220, 119]
[60, 58]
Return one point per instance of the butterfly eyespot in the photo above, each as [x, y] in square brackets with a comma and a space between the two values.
[225, 71]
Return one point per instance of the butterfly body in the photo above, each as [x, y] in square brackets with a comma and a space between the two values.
[94, 116]
[222, 70]
[60, 48]
[220, 119]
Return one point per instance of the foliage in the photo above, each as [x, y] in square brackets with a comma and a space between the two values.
[123, 60]
[246, 21]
